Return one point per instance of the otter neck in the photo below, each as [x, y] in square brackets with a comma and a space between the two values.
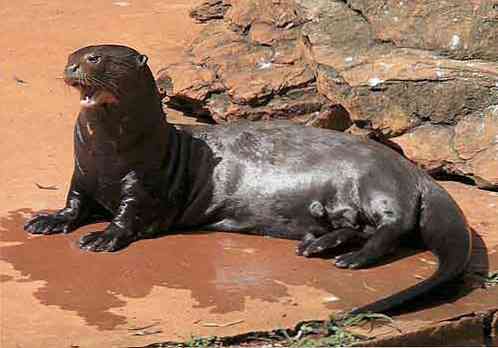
[124, 124]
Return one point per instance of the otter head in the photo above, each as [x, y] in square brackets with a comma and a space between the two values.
[107, 74]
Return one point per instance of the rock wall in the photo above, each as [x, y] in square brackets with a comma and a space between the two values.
[422, 74]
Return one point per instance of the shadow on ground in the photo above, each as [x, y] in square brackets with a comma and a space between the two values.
[221, 271]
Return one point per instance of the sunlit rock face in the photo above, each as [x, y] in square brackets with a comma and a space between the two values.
[422, 74]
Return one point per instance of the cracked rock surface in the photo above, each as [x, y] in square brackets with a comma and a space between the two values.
[422, 74]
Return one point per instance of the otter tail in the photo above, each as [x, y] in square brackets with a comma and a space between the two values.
[445, 232]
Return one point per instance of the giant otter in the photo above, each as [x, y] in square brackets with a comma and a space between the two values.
[319, 186]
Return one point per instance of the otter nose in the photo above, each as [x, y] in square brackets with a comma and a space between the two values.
[71, 69]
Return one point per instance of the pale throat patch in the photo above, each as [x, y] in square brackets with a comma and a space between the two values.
[89, 128]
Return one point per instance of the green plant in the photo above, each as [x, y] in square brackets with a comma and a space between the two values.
[335, 333]
[195, 341]
[491, 279]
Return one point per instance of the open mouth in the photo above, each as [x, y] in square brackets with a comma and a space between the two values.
[88, 96]
[91, 96]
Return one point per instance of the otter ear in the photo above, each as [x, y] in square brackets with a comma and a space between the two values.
[142, 60]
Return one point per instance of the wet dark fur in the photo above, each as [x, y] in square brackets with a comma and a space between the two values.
[318, 186]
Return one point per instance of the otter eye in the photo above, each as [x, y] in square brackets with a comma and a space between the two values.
[93, 59]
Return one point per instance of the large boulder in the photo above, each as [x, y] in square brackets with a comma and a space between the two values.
[248, 65]
[419, 74]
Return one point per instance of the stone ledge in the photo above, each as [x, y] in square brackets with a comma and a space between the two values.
[433, 84]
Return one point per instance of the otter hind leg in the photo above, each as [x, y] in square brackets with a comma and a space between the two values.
[341, 229]
[384, 240]
[311, 246]
[393, 221]
[308, 239]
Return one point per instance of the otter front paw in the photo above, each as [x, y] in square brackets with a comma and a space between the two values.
[113, 238]
[51, 223]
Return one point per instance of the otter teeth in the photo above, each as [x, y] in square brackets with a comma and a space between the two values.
[88, 102]
[88, 99]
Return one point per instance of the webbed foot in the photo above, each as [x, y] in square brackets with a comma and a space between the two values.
[112, 239]
[354, 259]
[46, 224]
[310, 246]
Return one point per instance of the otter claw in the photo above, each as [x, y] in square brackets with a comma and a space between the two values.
[310, 245]
[49, 224]
[304, 244]
[112, 239]
[354, 259]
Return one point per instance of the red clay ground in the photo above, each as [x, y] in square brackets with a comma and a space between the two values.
[54, 295]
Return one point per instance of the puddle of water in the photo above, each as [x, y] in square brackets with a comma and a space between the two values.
[221, 270]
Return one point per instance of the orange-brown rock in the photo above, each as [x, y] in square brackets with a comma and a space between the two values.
[210, 9]
[469, 149]
[277, 13]
[429, 146]
[459, 29]
[247, 65]
[423, 73]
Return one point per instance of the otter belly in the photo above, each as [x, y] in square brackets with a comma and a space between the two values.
[270, 175]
